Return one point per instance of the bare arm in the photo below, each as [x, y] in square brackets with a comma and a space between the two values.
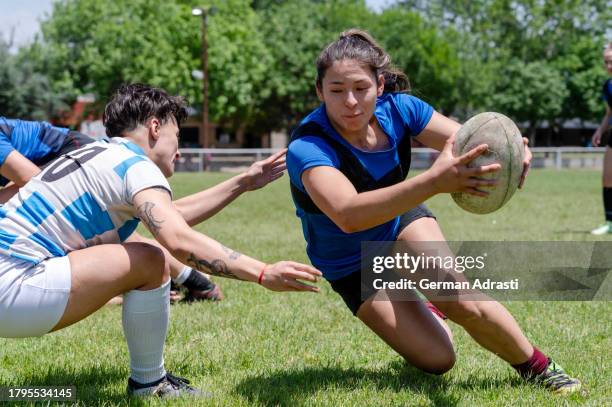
[199, 251]
[18, 169]
[437, 132]
[8, 191]
[334, 194]
[200, 206]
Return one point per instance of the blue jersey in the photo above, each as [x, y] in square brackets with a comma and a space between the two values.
[607, 92]
[334, 252]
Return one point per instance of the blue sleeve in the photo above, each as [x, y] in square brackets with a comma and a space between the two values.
[415, 113]
[26, 138]
[5, 148]
[308, 152]
[34, 140]
[6, 128]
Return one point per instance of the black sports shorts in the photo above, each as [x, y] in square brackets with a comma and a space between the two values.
[350, 288]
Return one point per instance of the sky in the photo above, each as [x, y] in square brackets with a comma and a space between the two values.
[24, 16]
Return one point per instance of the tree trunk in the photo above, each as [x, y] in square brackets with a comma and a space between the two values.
[240, 131]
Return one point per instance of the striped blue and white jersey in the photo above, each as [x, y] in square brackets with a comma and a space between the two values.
[82, 199]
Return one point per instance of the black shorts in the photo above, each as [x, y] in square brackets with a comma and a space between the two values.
[609, 133]
[350, 288]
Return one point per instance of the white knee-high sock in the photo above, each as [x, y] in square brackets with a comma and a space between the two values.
[145, 323]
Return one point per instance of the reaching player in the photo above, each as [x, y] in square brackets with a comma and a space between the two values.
[26, 146]
[62, 238]
[347, 163]
[599, 133]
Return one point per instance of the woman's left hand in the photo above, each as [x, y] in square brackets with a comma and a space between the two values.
[526, 162]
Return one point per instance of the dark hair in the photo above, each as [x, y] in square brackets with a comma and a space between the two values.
[134, 104]
[359, 45]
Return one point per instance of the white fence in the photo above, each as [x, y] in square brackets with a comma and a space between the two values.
[236, 159]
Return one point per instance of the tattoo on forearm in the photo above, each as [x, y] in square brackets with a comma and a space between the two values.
[233, 255]
[216, 268]
[145, 213]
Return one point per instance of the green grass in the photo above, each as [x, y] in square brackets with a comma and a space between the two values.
[262, 348]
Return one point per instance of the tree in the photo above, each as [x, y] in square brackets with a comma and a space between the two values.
[24, 92]
[562, 38]
[97, 45]
[295, 32]
[239, 63]
[423, 53]
[93, 46]
[529, 92]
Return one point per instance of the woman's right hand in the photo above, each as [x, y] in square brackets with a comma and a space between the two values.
[452, 174]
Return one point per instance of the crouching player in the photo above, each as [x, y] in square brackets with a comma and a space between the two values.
[62, 238]
[25, 146]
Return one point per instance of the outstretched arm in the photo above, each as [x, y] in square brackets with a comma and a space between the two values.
[200, 206]
[199, 251]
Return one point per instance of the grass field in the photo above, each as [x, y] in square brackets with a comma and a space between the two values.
[260, 348]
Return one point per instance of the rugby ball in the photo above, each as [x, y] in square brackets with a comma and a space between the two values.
[506, 147]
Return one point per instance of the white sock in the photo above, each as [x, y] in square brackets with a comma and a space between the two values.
[183, 275]
[145, 323]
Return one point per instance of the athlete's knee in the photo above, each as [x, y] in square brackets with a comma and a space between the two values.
[150, 262]
[442, 363]
[438, 360]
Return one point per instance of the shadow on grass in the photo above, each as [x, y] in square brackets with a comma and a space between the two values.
[95, 385]
[293, 387]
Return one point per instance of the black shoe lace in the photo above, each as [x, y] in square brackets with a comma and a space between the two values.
[178, 382]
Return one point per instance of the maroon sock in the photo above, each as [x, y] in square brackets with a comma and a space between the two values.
[537, 363]
[435, 309]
